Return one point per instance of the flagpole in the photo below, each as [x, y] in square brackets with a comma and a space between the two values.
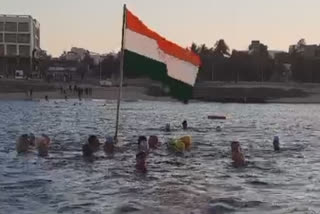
[121, 72]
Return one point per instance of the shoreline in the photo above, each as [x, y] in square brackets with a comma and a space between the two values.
[215, 92]
[133, 94]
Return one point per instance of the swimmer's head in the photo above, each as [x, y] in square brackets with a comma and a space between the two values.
[23, 143]
[153, 141]
[143, 144]
[142, 139]
[235, 146]
[42, 144]
[276, 143]
[167, 128]
[184, 124]
[94, 143]
[218, 129]
[237, 155]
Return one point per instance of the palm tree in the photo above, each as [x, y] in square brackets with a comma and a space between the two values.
[221, 48]
[194, 47]
[301, 43]
[261, 57]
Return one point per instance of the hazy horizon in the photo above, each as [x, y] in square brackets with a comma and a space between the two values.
[96, 25]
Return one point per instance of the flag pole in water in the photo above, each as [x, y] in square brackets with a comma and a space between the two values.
[121, 72]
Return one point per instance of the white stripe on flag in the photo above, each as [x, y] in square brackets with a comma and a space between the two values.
[142, 45]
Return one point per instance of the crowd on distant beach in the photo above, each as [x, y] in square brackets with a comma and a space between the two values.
[74, 90]
[27, 142]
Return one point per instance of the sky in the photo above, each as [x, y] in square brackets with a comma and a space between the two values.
[96, 24]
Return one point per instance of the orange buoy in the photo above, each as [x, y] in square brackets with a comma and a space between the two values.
[215, 117]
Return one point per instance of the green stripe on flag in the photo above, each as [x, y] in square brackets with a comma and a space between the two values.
[136, 65]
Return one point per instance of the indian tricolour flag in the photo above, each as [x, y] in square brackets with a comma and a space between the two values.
[148, 53]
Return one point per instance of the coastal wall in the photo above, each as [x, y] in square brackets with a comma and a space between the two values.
[248, 92]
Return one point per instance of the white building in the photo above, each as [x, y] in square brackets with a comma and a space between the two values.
[76, 54]
[19, 35]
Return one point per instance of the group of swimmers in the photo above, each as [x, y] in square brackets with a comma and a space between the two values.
[238, 156]
[28, 141]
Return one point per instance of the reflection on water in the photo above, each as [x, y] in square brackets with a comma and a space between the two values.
[203, 181]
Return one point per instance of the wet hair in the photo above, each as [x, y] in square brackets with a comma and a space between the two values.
[234, 144]
[24, 135]
[142, 138]
[92, 139]
[276, 143]
[185, 124]
[93, 143]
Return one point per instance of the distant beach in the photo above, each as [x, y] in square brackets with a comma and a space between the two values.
[265, 92]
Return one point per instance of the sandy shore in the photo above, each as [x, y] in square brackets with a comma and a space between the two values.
[207, 91]
[111, 93]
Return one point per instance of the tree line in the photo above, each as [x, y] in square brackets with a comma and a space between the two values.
[219, 63]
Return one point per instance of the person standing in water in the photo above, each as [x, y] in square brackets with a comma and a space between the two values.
[143, 145]
[153, 142]
[108, 146]
[237, 154]
[91, 147]
[31, 92]
[23, 143]
[276, 143]
[185, 125]
[42, 144]
[167, 127]
[79, 94]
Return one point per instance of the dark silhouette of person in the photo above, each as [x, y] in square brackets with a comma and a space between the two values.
[276, 143]
[91, 146]
[80, 91]
[185, 125]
